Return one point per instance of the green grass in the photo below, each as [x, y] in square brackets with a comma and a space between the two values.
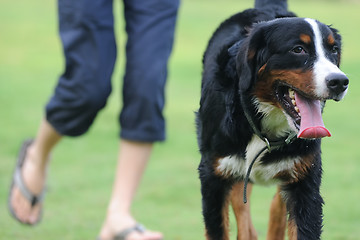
[82, 169]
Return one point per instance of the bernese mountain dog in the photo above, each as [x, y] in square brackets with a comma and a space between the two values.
[266, 77]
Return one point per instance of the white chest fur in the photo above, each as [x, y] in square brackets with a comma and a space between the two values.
[263, 174]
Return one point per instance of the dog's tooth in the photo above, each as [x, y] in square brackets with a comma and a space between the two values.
[293, 102]
[297, 109]
[291, 94]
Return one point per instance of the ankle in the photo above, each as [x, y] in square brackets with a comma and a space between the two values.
[36, 157]
[119, 207]
[34, 169]
[116, 214]
[34, 172]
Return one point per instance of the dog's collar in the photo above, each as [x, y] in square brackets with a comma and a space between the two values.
[270, 144]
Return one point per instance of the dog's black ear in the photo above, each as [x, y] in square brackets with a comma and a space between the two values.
[250, 55]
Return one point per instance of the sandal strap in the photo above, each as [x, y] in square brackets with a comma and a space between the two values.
[19, 180]
[123, 234]
[32, 198]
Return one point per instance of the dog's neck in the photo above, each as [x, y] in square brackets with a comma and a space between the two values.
[274, 124]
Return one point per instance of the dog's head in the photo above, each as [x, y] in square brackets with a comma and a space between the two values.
[290, 67]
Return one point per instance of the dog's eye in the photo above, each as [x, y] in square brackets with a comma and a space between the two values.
[298, 50]
[335, 49]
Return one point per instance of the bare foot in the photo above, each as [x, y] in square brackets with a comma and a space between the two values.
[34, 179]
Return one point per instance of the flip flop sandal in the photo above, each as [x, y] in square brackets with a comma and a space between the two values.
[123, 234]
[18, 181]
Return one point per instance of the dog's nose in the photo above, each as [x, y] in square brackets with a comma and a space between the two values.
[337, 83]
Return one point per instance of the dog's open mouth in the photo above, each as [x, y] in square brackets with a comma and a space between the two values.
[304, 111]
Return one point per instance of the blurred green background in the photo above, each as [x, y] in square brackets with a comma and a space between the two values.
[168, 200]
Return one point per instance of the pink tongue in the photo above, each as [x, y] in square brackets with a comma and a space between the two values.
[311, 125]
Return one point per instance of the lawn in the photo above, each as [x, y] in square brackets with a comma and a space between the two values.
[82, 169]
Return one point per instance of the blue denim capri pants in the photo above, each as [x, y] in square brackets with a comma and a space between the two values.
[87, 33]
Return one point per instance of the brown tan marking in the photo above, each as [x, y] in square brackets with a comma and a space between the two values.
[246, 230]
[302, 167]
[225, 217]
[305, 38]
[225, 208]
[251, 54]
[277, 220]
[285, 176]
[298, 172]
[217, 172]
[207, 235]
[297, 79]
[262, 69]
[331, 39]
[292, 230]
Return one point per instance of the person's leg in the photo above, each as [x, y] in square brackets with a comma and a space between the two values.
[150, 27]
[132, 160]
[86, 31]
[34, 173]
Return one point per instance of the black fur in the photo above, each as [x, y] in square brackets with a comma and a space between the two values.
[237, 51]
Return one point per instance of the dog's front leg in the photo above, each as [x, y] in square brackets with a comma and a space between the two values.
[215, 203]
[246, 230]
[277, 220]
[304, 205]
